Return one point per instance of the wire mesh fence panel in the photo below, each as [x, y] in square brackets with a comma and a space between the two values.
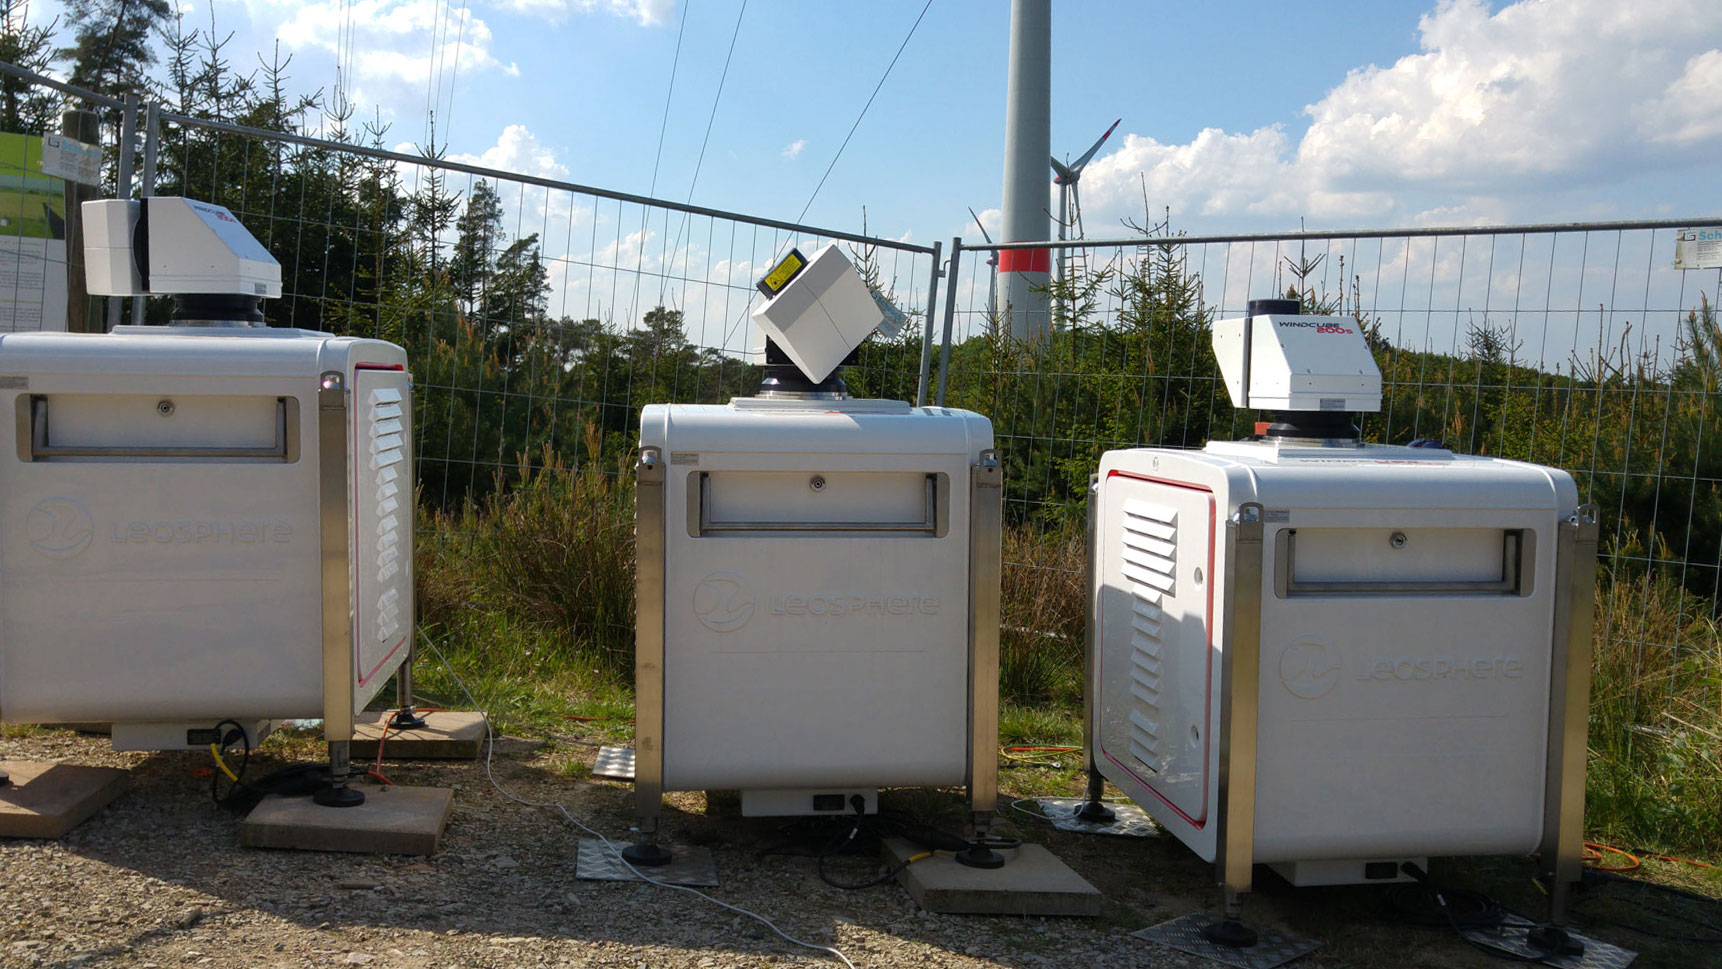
[1581, 348]
[539, 316]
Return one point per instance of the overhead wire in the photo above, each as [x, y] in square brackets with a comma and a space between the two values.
[863, 114]
[657, 159]
[710, 120]
[610, 846]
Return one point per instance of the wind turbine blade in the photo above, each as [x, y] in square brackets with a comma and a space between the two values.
[1077, 167]
[1076, 211]
[978, 225]
[1061, 171]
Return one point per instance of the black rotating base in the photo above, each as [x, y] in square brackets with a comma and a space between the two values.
[1095, 812]
[1313, 425]
[782, 378]
[339, 797]
[407, 720]
[646, 856]
[1230, 933]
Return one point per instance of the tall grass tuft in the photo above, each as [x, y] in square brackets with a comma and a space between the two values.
[1042, 615]
[1655, 776]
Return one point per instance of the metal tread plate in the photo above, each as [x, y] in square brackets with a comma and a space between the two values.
[614, 763]
[1509, 936]
[1273, 948]
[690, 866]
[1130, 821]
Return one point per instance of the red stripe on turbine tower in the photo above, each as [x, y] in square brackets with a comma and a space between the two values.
[1025, 260]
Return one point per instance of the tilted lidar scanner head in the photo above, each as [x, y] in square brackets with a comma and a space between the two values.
[1276, 358]
[818, 311]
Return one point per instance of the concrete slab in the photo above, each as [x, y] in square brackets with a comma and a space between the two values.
[446, 735]
[1032, 882]
[393, 820]
[48, 800]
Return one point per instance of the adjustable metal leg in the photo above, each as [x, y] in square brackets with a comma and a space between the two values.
[338, 794]
[979, 854]
[1094, 809]
[406, 718]
[645, 852]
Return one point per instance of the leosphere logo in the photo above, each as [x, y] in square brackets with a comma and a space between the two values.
[1309, 668]
[722, 602]
[59, 528]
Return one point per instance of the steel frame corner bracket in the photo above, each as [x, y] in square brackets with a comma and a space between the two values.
[1240, 676]
[333, 511]
[649, 516]
[1562, 848]
[986, 552]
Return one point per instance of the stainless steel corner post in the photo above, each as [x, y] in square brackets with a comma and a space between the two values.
[1561, 853]
[986, 552]
[333, 508]
[648, 651]
[1240, 671]
[405, 717]
[1093, 810]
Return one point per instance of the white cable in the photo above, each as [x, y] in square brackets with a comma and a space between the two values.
[490, 749]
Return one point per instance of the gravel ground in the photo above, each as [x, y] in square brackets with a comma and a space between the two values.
[158, 879]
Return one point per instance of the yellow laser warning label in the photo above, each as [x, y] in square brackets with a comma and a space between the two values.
[781, 274]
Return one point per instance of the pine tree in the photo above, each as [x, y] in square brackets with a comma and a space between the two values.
[24, 107]
[478, 236]
[111, 43]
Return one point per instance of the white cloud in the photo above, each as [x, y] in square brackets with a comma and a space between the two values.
[1690, 109]
[992, 220]
[794, 148]
[647, 13]
[518, 150]
[1539, 97]
[1541, 88]
[386, 40]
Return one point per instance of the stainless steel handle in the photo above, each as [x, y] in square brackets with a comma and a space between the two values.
[929, 523]
[42, 447]
[1514, 575]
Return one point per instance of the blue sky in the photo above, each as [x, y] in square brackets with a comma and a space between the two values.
[1237, 116]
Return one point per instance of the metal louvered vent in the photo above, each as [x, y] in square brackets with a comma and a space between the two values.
[1149, 554]
[386, 457]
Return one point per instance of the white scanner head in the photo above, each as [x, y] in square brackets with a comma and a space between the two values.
[1276, 358]
[168, 246]
[817, 311]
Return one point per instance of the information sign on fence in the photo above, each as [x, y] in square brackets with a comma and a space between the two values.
[1699, 248]
[71, 160]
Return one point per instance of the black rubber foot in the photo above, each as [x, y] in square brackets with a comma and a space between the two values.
[1230, 933]
[646, 856]
[1095, 812]
[407, 720]
[980, 856]
[339, 797]
[1554, 940]
[5, 778]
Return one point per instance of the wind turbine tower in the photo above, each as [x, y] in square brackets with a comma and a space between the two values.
[1028, 139]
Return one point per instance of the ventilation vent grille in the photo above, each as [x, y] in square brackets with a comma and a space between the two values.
[387, 455]
[1149, 564]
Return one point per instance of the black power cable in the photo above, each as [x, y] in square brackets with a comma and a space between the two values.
[1479, 911]
[865, 832]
